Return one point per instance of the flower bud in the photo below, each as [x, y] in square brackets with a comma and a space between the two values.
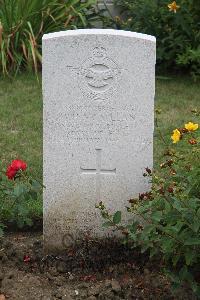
[183, 130]
[162, 165]
[170, 189]
[170, 162]
[192, 141]
[148, 170]
[161, 191]
[134, 201]
[172, 172]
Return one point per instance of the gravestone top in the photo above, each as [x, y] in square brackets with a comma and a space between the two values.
[99, 32]
[98, 90]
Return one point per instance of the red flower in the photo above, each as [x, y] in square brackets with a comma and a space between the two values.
[27, 258]
[10, 173]
[18, 164]
[15, 166]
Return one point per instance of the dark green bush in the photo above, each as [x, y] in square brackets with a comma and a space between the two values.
[178, 34]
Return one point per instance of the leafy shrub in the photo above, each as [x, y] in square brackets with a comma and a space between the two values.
[167, 222]
[190, 59]
[19, 196]
[177, 30]
[23, 22]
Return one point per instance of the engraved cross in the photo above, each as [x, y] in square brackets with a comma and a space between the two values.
[98, 171]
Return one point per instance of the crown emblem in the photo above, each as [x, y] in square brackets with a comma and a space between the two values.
[99, 51]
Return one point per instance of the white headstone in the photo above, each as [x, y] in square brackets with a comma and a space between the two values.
[98, 88]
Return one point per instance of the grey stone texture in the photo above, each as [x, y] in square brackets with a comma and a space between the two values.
[98, 90]
[113, 10]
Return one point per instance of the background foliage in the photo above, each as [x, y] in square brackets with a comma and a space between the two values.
[165, 220]
[178, 34]
[23, 22]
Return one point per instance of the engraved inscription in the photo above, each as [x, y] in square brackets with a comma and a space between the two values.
[98, 171]
[98, 123]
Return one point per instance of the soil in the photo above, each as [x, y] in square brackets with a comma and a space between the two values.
[91, 270]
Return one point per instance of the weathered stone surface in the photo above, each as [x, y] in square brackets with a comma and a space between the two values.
[98, 88]
[109, 6]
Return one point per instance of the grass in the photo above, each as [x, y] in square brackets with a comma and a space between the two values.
[176, 98]
[21, 117]
[21, 121]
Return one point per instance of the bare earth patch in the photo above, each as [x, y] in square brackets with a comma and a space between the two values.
[86, 271]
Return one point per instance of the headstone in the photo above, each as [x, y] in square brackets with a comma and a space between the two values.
[98, 88]
[110, 8]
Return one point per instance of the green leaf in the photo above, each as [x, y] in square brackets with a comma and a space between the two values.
[19, 190]
[195, 224]
[148, 229]
[177, 204]
[175, 259]
[22, 210]
[192, 242]
[198, 212]
[117, 217]
[132, 227]
[189, 257]
[132, 236]
[167, 207]
[167, 244]
[175, 229]
[36, 186]
[156, 216]
[33, 195]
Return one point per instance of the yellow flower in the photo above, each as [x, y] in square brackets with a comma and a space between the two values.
[176, 136]
[191, 126]
[173, 6]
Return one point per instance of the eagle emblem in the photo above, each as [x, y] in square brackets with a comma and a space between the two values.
[99, 73]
